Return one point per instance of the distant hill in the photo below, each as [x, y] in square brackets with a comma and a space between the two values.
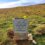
[20, 11]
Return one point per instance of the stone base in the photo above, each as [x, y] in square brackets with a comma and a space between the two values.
[23, 42]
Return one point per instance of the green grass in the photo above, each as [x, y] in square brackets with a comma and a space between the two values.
[40, 40]
[33, 20]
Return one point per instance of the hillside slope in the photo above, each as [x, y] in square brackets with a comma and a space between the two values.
[35, 15]
[29, 10]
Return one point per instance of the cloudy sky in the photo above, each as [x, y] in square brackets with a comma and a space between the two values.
[16, 3]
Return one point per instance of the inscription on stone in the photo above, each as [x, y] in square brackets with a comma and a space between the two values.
[20, 25]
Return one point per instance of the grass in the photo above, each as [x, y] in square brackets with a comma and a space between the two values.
[41, 40]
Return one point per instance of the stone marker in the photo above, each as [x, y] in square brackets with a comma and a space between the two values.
[20, 28]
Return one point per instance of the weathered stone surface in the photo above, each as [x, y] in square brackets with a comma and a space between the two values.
[20, 28]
